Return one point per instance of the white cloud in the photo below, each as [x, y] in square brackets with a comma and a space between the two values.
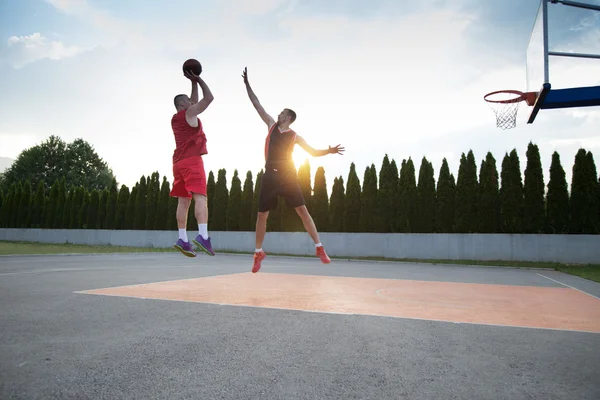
[23, 50]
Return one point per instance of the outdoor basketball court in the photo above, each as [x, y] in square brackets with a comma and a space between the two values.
[160, 325]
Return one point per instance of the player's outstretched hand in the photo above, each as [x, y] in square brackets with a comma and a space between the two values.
[245, 75]
[336, 150]
[191, 76]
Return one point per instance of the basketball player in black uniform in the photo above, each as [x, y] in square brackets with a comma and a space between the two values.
[280, 177]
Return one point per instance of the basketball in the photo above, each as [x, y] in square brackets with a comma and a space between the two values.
[193, 65]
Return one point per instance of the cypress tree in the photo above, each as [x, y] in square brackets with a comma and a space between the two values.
[210, 196]
[111, 206]
[246, 206]
[102, 203]
[91, 221]
[584, 194]
[121, 209]
[368, 201]
[533, 192]
[1, 209]
[221, 200]
[425, 205]
[305, 184]
[51, 203]
[83, 211]
[140, 204]
[192, 222]
[162, 208]
[172, 215]
[76, 204]
[320, 201]
[352, 202]
[152, 196]
[489, 196]
[257, 185]
[24, 206]
[557, 199]
[39, 203]
[445, 200]
[337, 206]
[234, 203]
[511, 194]
[16, 201]
[407, 193]
[466, 195]
[130, 216]
[66, 215]
[7, 208]
[387, 194]
[60, 203]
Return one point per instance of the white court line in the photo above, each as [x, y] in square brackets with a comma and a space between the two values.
[574, 288]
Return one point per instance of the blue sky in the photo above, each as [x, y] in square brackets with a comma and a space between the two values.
[381, 77]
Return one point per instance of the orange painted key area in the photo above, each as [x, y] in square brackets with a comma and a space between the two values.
[524, 306]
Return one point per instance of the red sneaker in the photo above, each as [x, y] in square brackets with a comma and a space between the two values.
[322, 255]
[258, 257]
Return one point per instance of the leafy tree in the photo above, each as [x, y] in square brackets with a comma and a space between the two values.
[246, 206]
[54, 158]
[352, 202]
[489, 196]
[557, 199]
[533, 192]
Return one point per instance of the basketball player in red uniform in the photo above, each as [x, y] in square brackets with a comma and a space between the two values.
[188, 167]
[280, 177]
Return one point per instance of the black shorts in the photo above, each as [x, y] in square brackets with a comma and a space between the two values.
[277, 183]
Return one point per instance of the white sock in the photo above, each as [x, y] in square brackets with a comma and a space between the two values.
[258, 250]
[203, 230]
[318, 245]
[183, 235]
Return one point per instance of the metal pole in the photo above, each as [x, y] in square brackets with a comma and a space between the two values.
[545, 44]
[576, 4]
[581, 55]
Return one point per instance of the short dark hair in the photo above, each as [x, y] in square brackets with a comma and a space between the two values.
[177, 99]
[291, 113]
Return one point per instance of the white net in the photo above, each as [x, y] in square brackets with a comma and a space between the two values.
[505, 105]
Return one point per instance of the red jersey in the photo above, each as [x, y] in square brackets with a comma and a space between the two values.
[189, 141]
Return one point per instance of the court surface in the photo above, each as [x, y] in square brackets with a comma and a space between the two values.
[160, 325]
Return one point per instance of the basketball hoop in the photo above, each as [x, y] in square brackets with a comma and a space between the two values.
[505, 104]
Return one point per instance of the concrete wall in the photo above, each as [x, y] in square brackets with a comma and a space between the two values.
[553, 248]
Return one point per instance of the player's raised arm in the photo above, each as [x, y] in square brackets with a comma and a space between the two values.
[261, 111]
[318, 153]
[207, 97]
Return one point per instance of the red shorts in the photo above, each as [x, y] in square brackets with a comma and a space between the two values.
[189, 177]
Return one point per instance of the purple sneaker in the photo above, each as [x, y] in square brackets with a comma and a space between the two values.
[185, 248]
[204, 244]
